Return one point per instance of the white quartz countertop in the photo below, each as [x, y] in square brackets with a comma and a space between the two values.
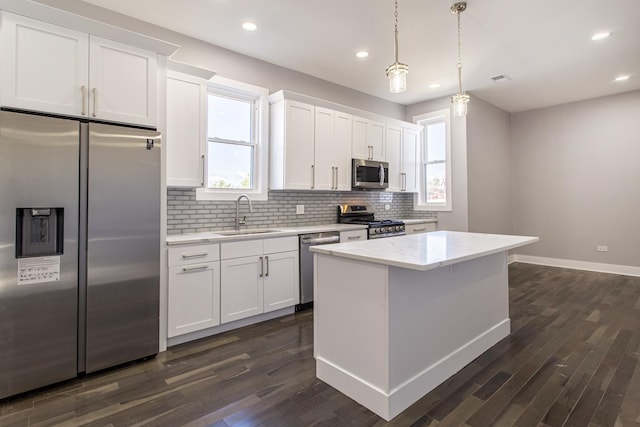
[214, 237]
[425, 251]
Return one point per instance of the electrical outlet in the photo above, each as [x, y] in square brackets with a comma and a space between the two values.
[602, 248]
[387, 207]
[299, 209]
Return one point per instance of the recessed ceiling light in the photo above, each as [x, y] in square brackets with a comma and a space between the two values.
[249, 26]
[600, 36]
[434, 85]
[362, 54]
[621, 78]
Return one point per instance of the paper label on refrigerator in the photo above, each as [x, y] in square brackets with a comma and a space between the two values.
[38, 270]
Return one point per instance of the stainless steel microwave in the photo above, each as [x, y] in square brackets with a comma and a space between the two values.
[369, 174]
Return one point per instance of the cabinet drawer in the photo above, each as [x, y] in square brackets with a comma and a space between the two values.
[194, 254]
[420, 228]
[353, 235]
[281, 244]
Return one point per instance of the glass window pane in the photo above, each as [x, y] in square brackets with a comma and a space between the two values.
[436, 191]
[230, 165]
[229, 119]
[436, 142]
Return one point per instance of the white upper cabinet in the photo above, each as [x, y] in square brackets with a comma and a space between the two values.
[44, 67]
[403, 158]
[292, 146]
[332, 148]
[411, 159]
[123, 82]
[368, 141]
[394, 157]
[57, 70]
[186, 129]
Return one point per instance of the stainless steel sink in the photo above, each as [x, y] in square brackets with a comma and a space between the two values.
[248, 231]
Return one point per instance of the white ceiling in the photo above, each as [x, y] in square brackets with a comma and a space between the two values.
[544, 46]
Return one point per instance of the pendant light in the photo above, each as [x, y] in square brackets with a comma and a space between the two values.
[397, 72]
[461, 99]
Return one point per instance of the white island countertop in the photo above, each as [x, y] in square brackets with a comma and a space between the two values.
[425, 251]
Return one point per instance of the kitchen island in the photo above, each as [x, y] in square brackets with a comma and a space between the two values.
[395, 317]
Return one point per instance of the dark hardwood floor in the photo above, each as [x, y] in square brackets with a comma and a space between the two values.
[572, 359]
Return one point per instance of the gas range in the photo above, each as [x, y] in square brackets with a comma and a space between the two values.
[358, 214]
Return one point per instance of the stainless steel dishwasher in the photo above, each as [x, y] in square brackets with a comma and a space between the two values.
[306, 263]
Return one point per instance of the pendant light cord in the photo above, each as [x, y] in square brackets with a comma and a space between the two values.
[395, 46]
[459, 55]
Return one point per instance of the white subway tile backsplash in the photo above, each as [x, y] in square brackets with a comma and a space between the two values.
[187, 215]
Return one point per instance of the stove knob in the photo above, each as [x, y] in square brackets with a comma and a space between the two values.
[397, 228]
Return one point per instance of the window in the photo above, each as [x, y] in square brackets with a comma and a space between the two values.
[435, 177]
[236, 150]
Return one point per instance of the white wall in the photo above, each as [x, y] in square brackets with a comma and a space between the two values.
[576, 179]
[489, 168]
[457, 219]
[236, 66]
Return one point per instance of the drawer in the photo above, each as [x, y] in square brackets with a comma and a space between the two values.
[353, 235]
[420, 228]
[194, 254]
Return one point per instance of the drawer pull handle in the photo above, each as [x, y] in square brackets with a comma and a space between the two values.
[198, 255]
[190, 269]
[353, 237]
[419, 229]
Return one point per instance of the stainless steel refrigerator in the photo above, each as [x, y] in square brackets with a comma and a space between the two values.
[79, 248]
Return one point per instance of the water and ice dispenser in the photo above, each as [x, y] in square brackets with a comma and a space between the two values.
[39, 232]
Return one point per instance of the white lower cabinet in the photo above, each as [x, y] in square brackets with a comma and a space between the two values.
[194, 289]
[258, 276]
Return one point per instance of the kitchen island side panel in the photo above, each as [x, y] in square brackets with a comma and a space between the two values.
[350, 317]
[386, 336]
[441, 320]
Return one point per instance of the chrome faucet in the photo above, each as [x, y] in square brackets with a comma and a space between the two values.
[243, 221]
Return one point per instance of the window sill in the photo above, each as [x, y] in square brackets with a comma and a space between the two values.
[206, 194]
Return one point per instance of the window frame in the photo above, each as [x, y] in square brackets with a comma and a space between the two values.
[420, 202]
[260, 131]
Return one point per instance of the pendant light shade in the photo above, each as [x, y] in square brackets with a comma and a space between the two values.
[397, 72]
[461, 99]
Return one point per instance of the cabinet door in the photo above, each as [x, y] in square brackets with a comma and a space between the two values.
[323, 150]
[241, 291]
[342, 150]
[44, 67]
[394, 157]
[299, 142]
[194, 298]
[411, 159]
[123, 83]
[281, 280]
[186, 130]
[375, 138]
[359, 146]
